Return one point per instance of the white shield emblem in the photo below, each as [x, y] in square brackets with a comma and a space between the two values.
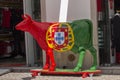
[59, 38]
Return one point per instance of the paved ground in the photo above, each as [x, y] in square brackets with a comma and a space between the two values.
[27, 76]
[3, 71]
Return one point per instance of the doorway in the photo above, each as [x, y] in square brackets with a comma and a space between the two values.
[12, 42]
[116, 30]
[106, 11]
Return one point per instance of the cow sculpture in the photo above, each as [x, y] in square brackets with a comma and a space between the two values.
[82, 31]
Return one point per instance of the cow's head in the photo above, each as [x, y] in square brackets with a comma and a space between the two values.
[25, 24]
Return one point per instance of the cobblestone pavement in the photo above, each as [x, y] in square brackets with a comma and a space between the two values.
[27, 76]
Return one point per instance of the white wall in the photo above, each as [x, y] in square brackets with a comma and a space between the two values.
[52, 10]
[77, 9]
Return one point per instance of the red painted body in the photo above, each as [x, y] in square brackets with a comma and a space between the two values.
[38, 31]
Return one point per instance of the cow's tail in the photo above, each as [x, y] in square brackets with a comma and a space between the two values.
[91, 31]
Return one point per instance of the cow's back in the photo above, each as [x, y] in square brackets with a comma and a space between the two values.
[82, 30]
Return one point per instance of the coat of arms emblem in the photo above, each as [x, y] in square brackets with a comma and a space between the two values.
[60, 37]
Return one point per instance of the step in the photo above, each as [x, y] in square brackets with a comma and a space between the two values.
[105, 70]
[110, 70]
[20, 69]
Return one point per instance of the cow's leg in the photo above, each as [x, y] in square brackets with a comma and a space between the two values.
[53, 64]
[94, 54]
[47, 63]
[80, 59]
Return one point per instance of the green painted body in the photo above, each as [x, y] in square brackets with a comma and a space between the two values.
[83, 30]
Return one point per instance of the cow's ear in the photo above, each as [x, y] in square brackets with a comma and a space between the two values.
[26, 16]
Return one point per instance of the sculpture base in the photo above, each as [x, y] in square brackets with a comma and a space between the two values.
[84, 73]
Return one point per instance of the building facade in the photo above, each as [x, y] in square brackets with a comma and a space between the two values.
[98, 11]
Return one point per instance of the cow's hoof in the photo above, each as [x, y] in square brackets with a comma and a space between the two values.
[46, 67]
[93, 68]
[76, 69]
[52, 69]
